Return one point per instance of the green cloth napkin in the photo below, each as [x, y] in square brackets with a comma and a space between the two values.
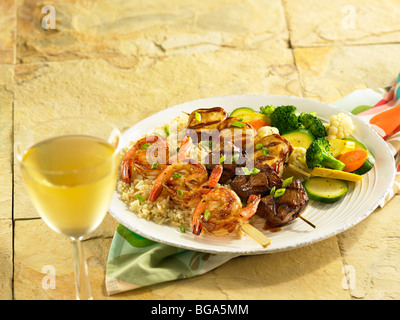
[135, 261]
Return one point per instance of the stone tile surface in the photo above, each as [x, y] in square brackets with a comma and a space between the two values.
[295, 274]
[120, 31]
[6, 259]
[330, 73]
[8, 23]
[371, 254]
[51, 254]
[6, 139]
[342, 22]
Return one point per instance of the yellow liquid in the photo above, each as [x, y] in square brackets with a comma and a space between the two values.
[71, 181]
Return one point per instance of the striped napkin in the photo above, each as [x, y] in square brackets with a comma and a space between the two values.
[135, 262]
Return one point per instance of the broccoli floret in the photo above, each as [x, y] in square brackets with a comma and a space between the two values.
[285, 119]
[267, 110]
[313, 124]
[318, 155]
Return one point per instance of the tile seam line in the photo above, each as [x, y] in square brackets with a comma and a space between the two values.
[12, 155]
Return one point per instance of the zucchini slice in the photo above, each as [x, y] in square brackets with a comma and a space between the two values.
[368, 163]
[327, 190]
[299, 138]
[248, 114]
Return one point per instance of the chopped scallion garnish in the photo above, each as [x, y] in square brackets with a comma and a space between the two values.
[139, 197]
[198, 116]
[279, 192]
[222, 159]
[166, 130]
[238, 124]
[272, 191]
[182, 228]
[235, 157]
[287, 181]
[179, 192]
[259, 146]
[177, 175]
[265, 151]
[207, 215]
[145, 146]
[255, 171]
[154, 165]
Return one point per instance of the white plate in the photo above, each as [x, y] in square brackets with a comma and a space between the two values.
[330, 219]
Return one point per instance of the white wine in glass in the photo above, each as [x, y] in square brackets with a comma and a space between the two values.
[70, 174]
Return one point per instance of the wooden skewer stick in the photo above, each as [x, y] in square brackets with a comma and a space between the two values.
[305, 220]
[256, 235]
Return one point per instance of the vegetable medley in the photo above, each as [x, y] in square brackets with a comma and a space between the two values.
[324, 153]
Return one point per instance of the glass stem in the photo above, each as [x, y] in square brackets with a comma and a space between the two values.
[82, 283]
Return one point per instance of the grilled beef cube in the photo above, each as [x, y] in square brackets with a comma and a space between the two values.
[233, 159]
[280, 210]
[260, 183]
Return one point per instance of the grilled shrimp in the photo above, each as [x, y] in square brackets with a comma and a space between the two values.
[148, 156]
[185, 182]
[220, 212]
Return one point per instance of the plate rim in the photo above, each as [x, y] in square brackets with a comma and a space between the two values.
[253, 251]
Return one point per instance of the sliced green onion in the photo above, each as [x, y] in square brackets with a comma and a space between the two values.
[255, 171]
[166, 130]
[238, 124]
[154, 165]
[265, 151]
[246, 171]
[222, 159]
[259, 146]
[139, 197]
[179, 192]
[279, 192]
[145, 146]
[198, 116]
[272, 192]
[177, 175]
[182, 228]
[235, 157]
[287, 181]
[207, 215]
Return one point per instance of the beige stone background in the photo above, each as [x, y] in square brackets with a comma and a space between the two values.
[123, 60]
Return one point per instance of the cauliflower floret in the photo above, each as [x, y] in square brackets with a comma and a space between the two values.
[298, 158]
[340, 126]
[266, 131]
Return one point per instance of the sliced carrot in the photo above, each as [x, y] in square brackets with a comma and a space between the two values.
[257, 123]
[353, 159]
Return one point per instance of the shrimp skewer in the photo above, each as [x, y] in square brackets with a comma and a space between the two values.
[220, 212]
[185, 182]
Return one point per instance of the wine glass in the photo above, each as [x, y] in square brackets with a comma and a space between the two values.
[70, 169]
